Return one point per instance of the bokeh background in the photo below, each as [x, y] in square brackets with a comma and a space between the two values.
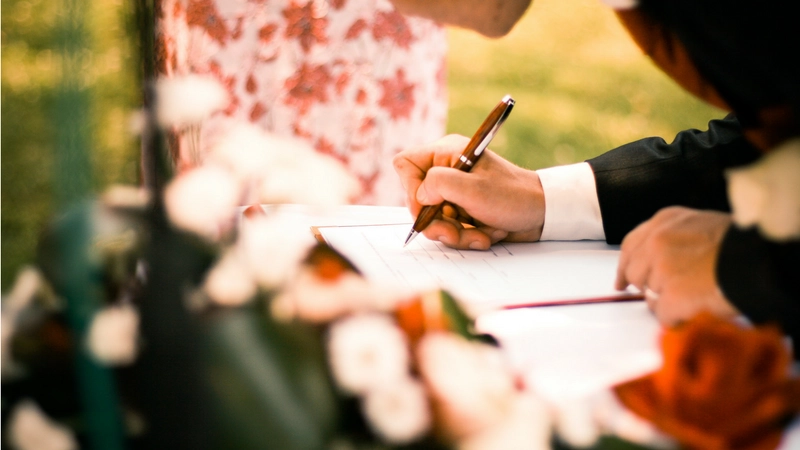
[582, 87]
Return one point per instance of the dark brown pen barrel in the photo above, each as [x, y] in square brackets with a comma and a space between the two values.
[468, 158]
[480, 135]
[426, 216]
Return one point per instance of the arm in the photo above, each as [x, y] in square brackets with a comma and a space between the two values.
[695, 260]
[635, 180]
[491, 18]
[759, 277]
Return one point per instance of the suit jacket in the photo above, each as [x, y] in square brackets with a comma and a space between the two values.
[743, 58]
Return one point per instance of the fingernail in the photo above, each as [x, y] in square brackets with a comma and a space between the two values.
[442, 239]
[476, 245]
[422, 196]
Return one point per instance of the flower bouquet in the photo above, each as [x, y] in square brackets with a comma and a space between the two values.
[191, 321]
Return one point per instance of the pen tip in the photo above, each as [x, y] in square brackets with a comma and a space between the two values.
[411, 235]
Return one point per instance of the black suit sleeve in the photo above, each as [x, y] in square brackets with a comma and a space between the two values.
[760, 277]
[636, 180]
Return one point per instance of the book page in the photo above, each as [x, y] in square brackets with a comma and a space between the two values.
[507, 275]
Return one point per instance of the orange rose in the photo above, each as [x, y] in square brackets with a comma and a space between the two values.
[721, 386]
[421, 315]
[328, 264]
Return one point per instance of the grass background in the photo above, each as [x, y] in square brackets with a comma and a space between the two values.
[581, 85]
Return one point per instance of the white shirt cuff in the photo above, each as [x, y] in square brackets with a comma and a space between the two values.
[571, 208]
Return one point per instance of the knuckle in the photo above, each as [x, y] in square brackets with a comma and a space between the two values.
[398, 161]
[657, 244]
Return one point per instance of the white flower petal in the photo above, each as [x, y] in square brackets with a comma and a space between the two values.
[526, 427]
[311, 298]
[306, 177]
[472, 381]
[316, 300]
[615, 419]
[203, 201]
[26, 284]
[229, 282]
[113, 335]
[767, 193]
[187, 100]
[576, 423]
[31, 429]
[126, 196]
[398, 412]
[273, 248]
[781, 218]
[246, 149]
[367, 351]
[748, 194]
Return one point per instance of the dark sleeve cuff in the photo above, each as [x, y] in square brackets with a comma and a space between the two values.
[761, 278]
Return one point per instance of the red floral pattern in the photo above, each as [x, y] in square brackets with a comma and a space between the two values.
[304, 23]
[203, 14]
[354, 78]
[307, 86]
[398, 96]
[392, 25]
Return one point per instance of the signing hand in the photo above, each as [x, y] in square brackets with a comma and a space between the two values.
[673, 256]
[496, 199]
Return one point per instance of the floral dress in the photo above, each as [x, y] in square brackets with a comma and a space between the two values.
[353, 78]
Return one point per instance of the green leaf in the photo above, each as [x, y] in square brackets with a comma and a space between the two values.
[460, 321]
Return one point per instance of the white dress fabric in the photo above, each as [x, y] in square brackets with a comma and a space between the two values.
[353, 78]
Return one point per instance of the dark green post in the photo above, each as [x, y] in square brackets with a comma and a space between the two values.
[73, 190]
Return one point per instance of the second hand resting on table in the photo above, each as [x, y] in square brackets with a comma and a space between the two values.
[674, 253]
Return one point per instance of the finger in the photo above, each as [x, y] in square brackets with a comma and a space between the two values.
[444, 230]
[632, 243]
[472, 239]
[454, 235]
[636, 271]
[415, 162]
[452, 185]
[671, 309]
[450, 211]
[651, 299]
[495, 234]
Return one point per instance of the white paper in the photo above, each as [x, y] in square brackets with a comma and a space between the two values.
[507, 274]
[573, 351]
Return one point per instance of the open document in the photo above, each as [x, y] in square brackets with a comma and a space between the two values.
[508, 275]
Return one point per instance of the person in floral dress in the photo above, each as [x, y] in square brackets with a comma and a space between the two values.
[355, 79]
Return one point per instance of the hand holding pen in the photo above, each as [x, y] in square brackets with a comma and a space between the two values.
[469, 157]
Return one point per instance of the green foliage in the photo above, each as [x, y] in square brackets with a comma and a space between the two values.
[30, 77]
[582, 87]
[269, 382]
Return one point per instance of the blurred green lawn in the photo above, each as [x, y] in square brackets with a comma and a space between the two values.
[581, 86]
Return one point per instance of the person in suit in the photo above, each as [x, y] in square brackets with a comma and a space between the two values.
[684, 242]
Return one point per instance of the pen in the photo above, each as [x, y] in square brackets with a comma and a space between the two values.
[472, 152]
